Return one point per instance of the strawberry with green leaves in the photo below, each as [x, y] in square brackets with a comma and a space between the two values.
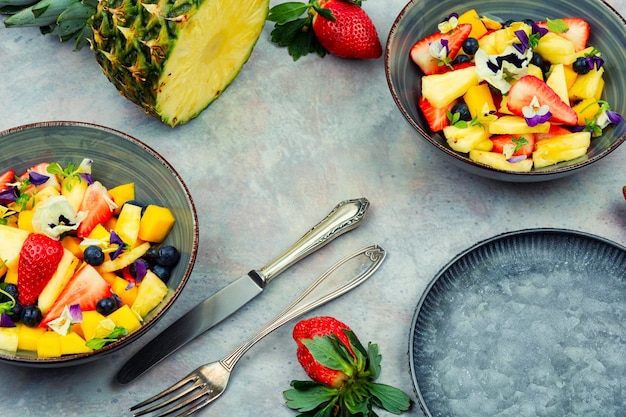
[340, 27]
[342, 372]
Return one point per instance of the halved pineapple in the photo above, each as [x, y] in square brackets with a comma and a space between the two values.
[174, 58]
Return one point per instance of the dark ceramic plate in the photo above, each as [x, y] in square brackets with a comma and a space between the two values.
[526, 324]
[118, 159]
[419, 18]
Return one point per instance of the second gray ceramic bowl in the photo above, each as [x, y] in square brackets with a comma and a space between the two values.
[118, 159]
[419, 18]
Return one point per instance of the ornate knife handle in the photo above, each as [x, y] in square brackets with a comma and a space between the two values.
[346, 216]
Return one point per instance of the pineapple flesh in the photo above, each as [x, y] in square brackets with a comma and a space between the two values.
[174, 58]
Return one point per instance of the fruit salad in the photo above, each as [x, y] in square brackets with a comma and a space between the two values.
[81, 265]
[517, 95]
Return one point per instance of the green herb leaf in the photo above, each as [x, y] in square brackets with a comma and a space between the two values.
[310, 398]
[287, 12]
[557, 25]
[390, 398]
[519, 143]
[98, 342]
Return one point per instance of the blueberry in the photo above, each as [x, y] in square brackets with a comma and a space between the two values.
[538, 61]
[529, 22]
[10, 289]
[463, 110]
[16, 312]
[508, 23]
[460, 58]
[31, 316]
[93, 255]
[168, 256]
[580, 66]
[107, 305]
[470, 46]
[152, 254]
[162, 272]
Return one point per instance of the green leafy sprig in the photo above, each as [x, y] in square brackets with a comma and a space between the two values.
[359, 394]
[455, 120]
[99, 342]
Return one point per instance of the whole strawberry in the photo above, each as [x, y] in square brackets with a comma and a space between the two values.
[342, 372]
[340, 27]
[39, 257]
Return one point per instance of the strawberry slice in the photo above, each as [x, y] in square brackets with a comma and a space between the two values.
[420, 52]
[98, 205]
[577, 32]
[437, 118]
[5, 179]
[527, 88]
[555, 130]
[39, 257]
[85, 288]
[42, 169]
[519, 144]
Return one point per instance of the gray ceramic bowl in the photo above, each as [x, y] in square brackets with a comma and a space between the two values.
[118, 159]
[419, 18]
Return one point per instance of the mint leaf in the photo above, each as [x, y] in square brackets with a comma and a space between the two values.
[557, 25]
[390, 398]
[519, 143]
[287, 12]
[99, 342]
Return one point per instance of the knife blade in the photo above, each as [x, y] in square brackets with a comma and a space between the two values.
[344, 217]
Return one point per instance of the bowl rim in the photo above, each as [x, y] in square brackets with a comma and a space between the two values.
[81, 358]
[478, 167]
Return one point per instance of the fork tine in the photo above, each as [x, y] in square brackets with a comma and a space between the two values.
[191, 382]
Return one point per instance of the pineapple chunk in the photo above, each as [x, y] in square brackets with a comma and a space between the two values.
[8, 339]
[514, 125]
[25, 220]
[560, 148]
[442, 89]
[151, 292]
[65, 270]
[465, 139]
[125, 259]
[74, 188]
[499, 161]
[556, 49]
[587, 85]
[127, 225]
[557, 81]
[11, 241]
[536, 71]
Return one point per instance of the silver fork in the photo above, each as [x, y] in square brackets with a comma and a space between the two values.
[208, 382]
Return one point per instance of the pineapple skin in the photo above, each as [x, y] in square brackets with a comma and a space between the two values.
[138, 47]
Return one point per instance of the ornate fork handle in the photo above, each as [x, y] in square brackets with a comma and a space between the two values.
[309, 299]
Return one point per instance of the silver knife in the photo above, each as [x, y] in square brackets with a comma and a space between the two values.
[346, 216]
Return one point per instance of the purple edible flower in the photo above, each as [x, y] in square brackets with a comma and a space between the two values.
[115, 239]
[8, 195]
[538, 119]
[537, 29]
[594, 61]
[36, 178]
[86, 177]
[517, 158]
[140, 271]
[523, 38]
[5, 320]
[614, 117]
[76, 313]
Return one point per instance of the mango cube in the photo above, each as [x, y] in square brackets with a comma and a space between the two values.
[89, 326]
[125, 290]
[49, 345]
[156, 223]
[28, 337]
[72, 344]
[121, 194]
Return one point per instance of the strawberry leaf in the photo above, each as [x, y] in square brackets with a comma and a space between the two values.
[298, 38]
[374, 360]
[287, 12]
[390, 398]
[310, 398]
[331, 353]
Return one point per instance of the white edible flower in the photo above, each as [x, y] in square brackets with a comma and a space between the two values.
[447, 25]
[70, 315]
[499, 69]
[56, 216]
